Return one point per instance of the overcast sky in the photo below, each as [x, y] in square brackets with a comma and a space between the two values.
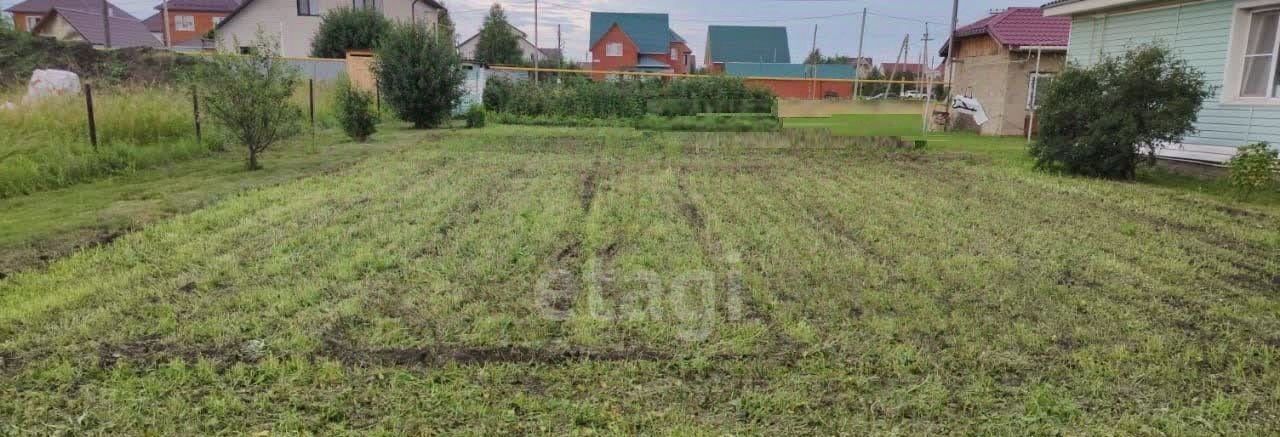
[837, 20]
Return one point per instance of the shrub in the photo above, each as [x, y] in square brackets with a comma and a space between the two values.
[355, 111]
[497, 91]
[419, 74]
[498, 43]
[1101, 121]
[476, 117]
[1253, 168]
[345, 29]
[580, 97]
[249, 95]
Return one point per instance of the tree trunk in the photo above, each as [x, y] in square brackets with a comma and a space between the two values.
[253, 160]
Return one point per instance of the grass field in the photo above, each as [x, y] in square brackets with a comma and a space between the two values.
[549, 280]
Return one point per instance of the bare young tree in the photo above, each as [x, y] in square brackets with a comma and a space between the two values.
[249, 95]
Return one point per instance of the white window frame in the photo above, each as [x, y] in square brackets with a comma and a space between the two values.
[1033, 97]
[1233, 78]
[218, 20]
[312, 8]
[32, 22]
[184, 23]
[675, 53]
[613, 49]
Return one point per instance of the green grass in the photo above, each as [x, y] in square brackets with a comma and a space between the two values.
[862, 125]
[562, 280]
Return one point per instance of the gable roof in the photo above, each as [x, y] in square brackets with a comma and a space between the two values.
[748, 44]
[200, 5]
[1018, 27]
[126, 31]
[651, 32]
[519, 33]
[1070, 7]
[44, 6]
[901, 67]
[245, 3]
[768, 69]
[155, 23]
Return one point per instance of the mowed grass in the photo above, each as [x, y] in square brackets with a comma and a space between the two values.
[863, 125]
[554, 280]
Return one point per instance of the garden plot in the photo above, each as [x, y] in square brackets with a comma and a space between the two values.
[609, 280]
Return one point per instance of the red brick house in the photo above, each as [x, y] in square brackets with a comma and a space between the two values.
[637, 42]
[190, 19]
[27, 14]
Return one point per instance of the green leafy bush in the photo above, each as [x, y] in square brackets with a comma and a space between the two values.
[1253, 168]
[1102, 120]
[710, 123]
[345, 29]
[581, 97]
[498, 42]
[355, 111]
[419, 74]
[250, 96]
[476, 116]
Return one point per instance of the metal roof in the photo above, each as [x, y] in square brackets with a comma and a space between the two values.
[770, 69]
[650, 32]
[126, 31]
[44, 6]
[200, 5]
[748, 44]
[1018, 27]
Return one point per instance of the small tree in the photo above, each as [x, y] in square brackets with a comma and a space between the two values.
[419, 74]
[498, 43]
[249, 95]
[355, 111]
[345, 29]
[1253, 169]
[1103, 120]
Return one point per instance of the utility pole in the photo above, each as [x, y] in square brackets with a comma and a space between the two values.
[106, 23]
[537, 49]
[813, 86]
[951, 53]
[559, 47]
[857, 63]
[928, 84]
[168, 38]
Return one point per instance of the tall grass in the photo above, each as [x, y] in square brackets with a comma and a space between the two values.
[46, 145]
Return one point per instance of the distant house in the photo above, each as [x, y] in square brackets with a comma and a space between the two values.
[892, 68]
[864, 65]
[757, 44]
[190, 19]
[996, 64]
[467, 49]
[27, 14]
[637, 42]
[66, 24]
[796, 81]
[293, 23]
[1233, 42]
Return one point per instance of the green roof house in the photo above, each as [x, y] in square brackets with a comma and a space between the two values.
[754, 44]
[637, 42]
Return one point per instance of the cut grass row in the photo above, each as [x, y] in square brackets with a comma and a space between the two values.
[545, 280]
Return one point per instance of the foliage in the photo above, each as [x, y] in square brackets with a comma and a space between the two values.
[419, 74]
[249, 96]
[344, 29]
[711, 123]
[1254, 168]
[445, 25]
[22, 52]
[354, 110]
[498, 43]
[816, 57]
[581, 97]
[476, 116]
[45, 145]
[557, 120]
[1102, 120]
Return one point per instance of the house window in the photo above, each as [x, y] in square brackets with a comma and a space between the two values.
[308, 7]
[1258, 76]
[365, 4]
[1037, 86]
[613, 49]
[675, 54]
[184, 23]
[32, 22]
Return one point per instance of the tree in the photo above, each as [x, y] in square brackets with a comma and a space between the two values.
[815, 57]
[1103, 120]
[355, 111]
[498, 43]
[445, 25]
[345, 29]
[249, 96]
[419, 74]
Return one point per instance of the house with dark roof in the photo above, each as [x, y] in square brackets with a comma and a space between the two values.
[189, 19]
[467, 48]
[1234, 42]
[1001, 60]
[637, 42]
[294, 23]
[65, 24]
[27, 14]
[759, 44]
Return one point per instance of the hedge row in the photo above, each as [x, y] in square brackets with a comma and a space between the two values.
[581, 97]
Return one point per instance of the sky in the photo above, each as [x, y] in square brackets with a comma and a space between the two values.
[837, 21]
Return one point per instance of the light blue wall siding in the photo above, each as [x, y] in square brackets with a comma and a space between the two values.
[1199, 32]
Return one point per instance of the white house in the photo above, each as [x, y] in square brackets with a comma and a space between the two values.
[295, 22]
[1234, 42]
[467, 49]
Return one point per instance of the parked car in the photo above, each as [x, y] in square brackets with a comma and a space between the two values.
[918, 95]
[883, 96]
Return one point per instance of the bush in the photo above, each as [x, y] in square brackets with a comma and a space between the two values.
[581, 97]
[419, 74]
[711, 123]
[1101, 121]
[1253, 169]
[355, 111]
[249, 95]
[345, 29]
[475, 117]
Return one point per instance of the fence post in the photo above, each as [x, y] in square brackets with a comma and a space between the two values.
[93, 127]
[377, 95]
[311, 97]
[195, 109]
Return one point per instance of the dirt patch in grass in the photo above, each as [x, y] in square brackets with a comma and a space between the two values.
[150, 351]
[559, 288]
[463, 355]
[588, 193]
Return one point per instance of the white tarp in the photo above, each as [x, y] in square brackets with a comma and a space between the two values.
[45, 83]
[970, 105]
